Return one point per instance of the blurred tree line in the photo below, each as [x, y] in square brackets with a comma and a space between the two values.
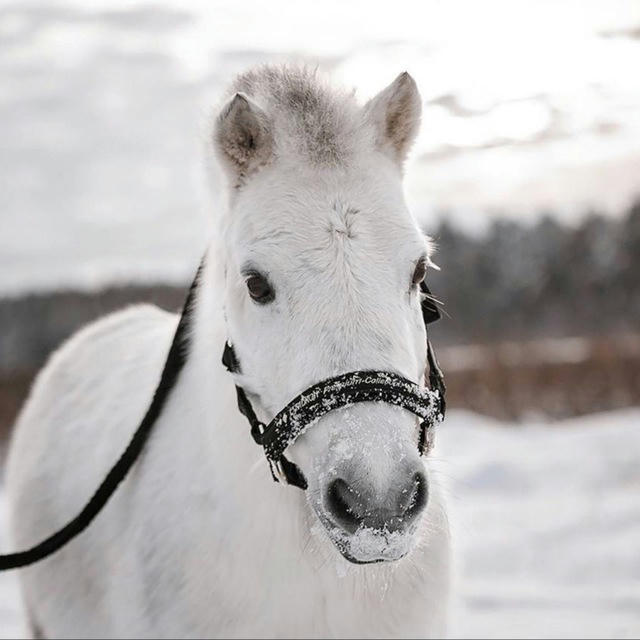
[517, 282]
[512, 283]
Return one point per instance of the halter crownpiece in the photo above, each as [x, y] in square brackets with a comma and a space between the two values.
[343, 391]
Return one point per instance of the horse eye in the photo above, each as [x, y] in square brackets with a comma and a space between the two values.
[259, 288]
[420, 271]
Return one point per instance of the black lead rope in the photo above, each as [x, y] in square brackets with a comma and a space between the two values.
[305, 409]
[172, 367]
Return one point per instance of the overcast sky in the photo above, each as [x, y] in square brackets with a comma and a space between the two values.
[528, 107]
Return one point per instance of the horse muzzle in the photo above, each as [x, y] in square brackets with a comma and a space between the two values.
[367, 524]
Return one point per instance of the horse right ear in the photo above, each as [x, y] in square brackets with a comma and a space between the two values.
[395, 115]
[242, 138]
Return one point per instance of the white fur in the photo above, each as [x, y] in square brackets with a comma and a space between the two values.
[199, 541]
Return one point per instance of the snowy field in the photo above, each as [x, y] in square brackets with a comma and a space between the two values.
[547, 524]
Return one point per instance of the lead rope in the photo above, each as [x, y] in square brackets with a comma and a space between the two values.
[172, 367]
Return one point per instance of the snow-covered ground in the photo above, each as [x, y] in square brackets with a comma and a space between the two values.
[548, 525]
[547, 521]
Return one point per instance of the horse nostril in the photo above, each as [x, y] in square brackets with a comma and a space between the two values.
[394, 510]
[414, 498]
[344, 505]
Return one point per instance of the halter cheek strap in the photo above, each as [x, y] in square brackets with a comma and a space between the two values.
[342, 391]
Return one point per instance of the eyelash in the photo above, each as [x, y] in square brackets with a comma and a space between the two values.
[419, 272]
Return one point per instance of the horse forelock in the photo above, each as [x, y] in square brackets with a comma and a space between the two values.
[310, 118]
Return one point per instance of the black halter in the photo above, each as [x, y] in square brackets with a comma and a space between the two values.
[342, 391]
[359, 386]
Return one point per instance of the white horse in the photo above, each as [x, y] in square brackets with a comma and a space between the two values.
[314, 271]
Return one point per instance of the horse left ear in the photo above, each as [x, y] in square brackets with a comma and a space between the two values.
[395, 114]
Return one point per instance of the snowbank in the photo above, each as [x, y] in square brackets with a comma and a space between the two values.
[547, 523]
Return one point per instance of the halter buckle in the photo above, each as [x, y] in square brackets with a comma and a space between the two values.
[257, 431]
[277, 472]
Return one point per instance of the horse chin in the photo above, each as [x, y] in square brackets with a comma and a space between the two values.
[347, 556]
[370, 546]
[367, 546]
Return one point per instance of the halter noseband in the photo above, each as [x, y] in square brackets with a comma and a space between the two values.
[343, 391]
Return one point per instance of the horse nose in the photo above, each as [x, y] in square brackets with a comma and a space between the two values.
[352, 507]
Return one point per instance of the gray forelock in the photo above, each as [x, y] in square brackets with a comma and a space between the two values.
[308, 116]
